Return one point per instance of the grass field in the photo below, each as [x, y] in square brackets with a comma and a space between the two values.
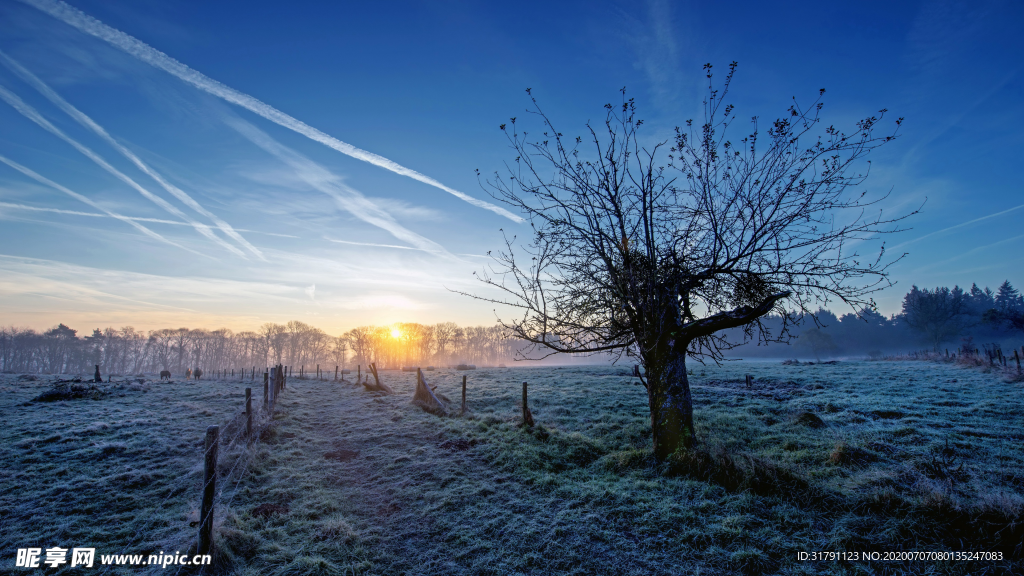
[854, 457]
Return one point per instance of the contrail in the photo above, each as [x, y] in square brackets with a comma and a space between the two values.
[323, 180]
[968, 253]
[30, 113]
[132, 218]
[89, 25]
[961, 225]
[370, 244]
[84, 120]
[43, 180]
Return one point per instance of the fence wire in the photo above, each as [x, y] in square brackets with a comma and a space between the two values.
[236, 426]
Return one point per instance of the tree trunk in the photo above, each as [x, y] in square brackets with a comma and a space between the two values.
[671, 407]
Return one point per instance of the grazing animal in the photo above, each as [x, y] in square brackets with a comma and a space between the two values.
[165, 374]
[198, 373]
[188, 374]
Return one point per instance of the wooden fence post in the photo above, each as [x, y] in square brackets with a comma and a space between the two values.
[527, 416]
[335, 373]
[359, 373]
[248, 412]
[266, 390]
[750, 381]
[273, 387]
[1017, 358]
[463, 394]
[209, 489]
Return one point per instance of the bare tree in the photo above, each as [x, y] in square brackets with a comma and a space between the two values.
[359, 340]
[339, 351]
[652, 252]
[444, 334]
[275, 338]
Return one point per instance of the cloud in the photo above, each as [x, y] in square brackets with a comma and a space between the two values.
[401, 209]
[126, 218]
[84, 120]
[30, 113]
[375, 301]
[148, 54]
[658, 52]
[35, 289]
[344, 196]
[311, 292]
[43, 180]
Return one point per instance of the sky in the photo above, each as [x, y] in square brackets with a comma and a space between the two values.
[227, 164]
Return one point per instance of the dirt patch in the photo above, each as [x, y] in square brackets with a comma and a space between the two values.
[342, 455]
[848, 455]
[72, 391]
[882, 448]
[809, 419]
[266, 510]
[459, 445]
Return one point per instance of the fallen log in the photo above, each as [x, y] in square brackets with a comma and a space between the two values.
[424, 396]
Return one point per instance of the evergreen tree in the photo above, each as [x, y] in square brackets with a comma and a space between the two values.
[1008, 299]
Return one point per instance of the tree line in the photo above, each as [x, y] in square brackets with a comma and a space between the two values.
[126, 350]
[950, 317]
[940, 318]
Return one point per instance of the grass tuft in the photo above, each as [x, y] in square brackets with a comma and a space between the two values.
[735, 471]
[848, 455]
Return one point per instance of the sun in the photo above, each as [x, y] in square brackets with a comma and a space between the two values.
[396, 333]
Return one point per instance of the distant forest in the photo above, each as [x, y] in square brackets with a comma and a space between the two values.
[298, 345]
[937, 319]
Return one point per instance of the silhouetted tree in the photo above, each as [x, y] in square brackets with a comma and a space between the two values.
[979, 301]
[651, 251]
[1008, 310]
[1007, 298]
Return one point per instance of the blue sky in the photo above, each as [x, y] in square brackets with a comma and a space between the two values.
[165, 204]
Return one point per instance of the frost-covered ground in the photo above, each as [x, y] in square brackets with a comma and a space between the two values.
[854, 456]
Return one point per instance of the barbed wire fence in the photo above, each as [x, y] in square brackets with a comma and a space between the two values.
[237, 438]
